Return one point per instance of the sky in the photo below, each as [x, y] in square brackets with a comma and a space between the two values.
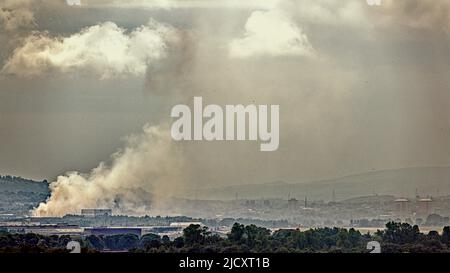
[360, 87]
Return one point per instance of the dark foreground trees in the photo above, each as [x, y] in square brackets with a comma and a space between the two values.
[397, 237]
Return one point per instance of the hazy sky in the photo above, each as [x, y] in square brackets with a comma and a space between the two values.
[359, 87]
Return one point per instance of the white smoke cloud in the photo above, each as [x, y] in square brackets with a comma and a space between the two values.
[277, 32]
[106, 50]
[16, 14]
[271, 33]
[140, 176]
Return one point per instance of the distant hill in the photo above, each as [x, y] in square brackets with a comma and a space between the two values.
[400, 182]
[19, 184]
[19, 195]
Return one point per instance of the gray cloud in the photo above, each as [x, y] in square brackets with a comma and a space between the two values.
[16, 14]
[427, 14]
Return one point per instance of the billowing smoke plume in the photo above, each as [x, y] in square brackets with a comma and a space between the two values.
[142, 176]
[271, 33]
[105, 50]
[138, 179]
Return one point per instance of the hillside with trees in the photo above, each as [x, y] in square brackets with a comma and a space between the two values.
[19, 195]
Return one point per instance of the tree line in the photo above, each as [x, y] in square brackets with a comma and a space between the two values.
[395, 238]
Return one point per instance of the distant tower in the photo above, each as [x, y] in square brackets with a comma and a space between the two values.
[425, 206]
[402, 207]
[292, 203]
[334, 196]
[306, 201]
